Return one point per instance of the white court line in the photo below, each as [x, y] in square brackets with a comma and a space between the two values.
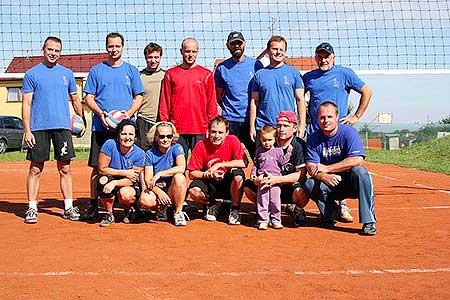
[414, 183]
[228, 274]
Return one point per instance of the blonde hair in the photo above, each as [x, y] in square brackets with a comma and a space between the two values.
[153, 132]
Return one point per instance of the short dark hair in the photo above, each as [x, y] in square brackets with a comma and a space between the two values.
[329, 103]
[52, 38]
[115, 35]
[276, 38]
[122, 124]
[219, 119]
[152, 47]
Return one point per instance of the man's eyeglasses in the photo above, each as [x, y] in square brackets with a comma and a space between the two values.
[163, 136]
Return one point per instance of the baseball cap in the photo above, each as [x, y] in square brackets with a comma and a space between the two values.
[235, 36]
[288, 115]
[326, 47]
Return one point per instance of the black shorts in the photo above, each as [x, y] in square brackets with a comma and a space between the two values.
[164, 183]
[218, 189]
[98, 138]
[62, 145]
[287, 190]
[143, 127]
[188, 141]
[105, 179]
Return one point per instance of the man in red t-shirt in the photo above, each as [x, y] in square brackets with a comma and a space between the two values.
[188, 97]
[216, 168]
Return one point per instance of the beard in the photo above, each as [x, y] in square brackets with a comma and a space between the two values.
[237, 53]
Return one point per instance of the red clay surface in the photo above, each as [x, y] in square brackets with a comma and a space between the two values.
[59, 259]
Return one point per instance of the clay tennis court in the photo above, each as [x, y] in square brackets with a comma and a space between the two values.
[58, 259]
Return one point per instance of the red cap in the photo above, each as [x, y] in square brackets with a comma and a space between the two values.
[290, 116]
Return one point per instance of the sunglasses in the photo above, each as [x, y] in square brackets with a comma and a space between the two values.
[163, 136]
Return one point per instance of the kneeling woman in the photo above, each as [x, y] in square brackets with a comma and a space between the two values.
[165, 164]
[120, 164]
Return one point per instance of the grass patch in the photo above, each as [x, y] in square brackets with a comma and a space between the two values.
[428, 156]
[81, 154]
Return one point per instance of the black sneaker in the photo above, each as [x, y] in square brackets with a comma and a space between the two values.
[108, 219]
[330, 221]
[129, 215]
[369, 229]
[300, 217]
[91, 213]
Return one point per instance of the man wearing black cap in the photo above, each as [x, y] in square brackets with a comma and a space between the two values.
[330, 82]
[232, 78]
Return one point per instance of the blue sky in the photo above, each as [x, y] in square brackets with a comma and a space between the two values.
[367, 35]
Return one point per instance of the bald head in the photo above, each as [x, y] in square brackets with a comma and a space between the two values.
[189, 52]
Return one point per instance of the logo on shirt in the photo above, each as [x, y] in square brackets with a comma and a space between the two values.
[332, 151]
[288, 168]
[127, 80]
[65, 81]
[251, 74]
[335, 83]
[286, 80]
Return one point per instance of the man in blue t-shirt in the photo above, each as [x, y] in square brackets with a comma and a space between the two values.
[46, 116]
[111, 85]
[334, 158]
[330, 82]
[233, 83]
[278, 87]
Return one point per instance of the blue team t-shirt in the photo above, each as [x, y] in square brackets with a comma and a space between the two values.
[163, 161]
[113, 87]
[329, 150]
[235, 78]
[333, 85]
[276, 87]
[51, 88]
[134, 158]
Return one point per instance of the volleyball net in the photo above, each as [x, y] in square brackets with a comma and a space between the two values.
[369, 35]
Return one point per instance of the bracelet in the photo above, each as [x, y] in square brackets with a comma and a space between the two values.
[357, 116]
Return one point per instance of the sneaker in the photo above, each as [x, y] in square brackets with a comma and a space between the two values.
[234, 218]
[91, 212]
[276, 225]
[161, 213]
[331, 221]
[180, 218]
[72, 213]
[263, 226]
[31, 216]
[211, 213]
[300, 217]
[108, 219]
[345, 215]
[369, 229]
[129, 215]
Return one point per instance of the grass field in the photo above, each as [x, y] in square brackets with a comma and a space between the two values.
[429, 156]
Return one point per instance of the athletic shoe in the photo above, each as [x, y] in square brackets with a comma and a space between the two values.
[108, 219]
[369, 229]
[211, 213]
[276, 225]
[91, 212]
[129, 215]
[31, 216]
[161, 213]
[300, 217]
[345, 215]
[329, 222]
[72, 213]
[262, 226]
[180, 218]
[234, 218]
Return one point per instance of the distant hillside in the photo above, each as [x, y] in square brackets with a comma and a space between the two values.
[431, 156]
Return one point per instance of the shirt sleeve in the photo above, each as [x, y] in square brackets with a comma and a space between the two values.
[220, 83]
[177, 150]
[352, 80]
[211, 97]
[139, 160]
[91, 83]
[255, 83]
[108, 147]
[28, 84]
[165, 98]
[298, 80]
[354, 146]
[238, 150]
[72, 84]
[149, 158]
[312, 152]
[136, 82]
[196, 162]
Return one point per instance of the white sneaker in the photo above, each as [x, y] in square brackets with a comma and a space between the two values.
[234, 218]
[345, 215]
[161, 213]
[180, 218]
[211, 213]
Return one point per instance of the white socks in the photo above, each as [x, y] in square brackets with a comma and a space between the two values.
[32, 204]
[68, 203]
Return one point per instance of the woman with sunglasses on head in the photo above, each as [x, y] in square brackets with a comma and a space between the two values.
[164, 180]
[120, 164]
